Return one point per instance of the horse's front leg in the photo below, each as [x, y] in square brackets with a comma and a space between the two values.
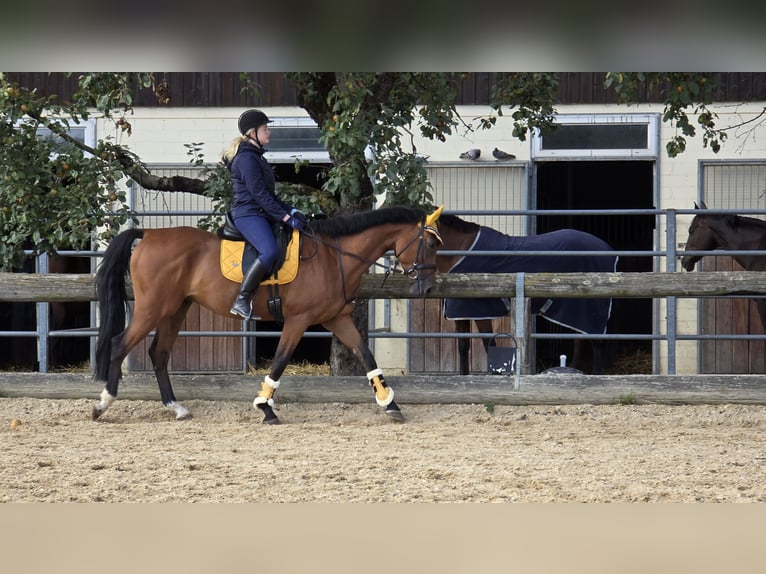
[599, 357]
[463, 326]
[291, 335]
[343, 327]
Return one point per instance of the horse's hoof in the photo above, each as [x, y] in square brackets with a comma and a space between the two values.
[95, 413]
[392, 410]
[269, 417]
[181, 412]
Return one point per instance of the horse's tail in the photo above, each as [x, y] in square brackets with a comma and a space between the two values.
[112, 296]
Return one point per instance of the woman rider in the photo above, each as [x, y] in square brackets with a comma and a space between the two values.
[255, 205]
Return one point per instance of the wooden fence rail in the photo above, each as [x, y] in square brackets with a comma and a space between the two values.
[413, 389]
[81, 287]
[534, 389]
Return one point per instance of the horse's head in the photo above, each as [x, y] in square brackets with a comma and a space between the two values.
[416, 251]
[701, 238]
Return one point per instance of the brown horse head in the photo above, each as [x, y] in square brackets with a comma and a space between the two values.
[417, 254]
[727, 231]
[701, 238]
[708, 231]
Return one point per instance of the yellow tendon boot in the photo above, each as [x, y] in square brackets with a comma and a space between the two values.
[383, 394]
[268, 386]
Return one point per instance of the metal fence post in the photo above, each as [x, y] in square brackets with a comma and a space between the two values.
[520, 339]
[670, 302]
[43, 327]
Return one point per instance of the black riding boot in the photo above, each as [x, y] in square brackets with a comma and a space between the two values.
[242, 304]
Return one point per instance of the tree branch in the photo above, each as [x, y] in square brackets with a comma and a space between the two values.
[739, 125]
[134, 169]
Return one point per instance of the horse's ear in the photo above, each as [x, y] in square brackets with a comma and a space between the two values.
[431, 218]
[702, 205]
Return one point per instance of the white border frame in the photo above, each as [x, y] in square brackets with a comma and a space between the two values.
[650, 152]
[292, 156]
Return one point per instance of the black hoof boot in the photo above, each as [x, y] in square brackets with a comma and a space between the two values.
[392, 410]
[269, 417]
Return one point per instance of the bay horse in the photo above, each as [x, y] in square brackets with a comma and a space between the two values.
[173, 267]
[710, 231]
[582, 315]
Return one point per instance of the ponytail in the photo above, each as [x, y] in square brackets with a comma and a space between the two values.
[228, 155]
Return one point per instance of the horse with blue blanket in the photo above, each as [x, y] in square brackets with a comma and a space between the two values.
[589, 316]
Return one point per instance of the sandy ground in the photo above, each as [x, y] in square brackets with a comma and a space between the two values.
[137, 452]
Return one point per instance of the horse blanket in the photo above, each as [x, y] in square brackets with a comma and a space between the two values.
[582, 315]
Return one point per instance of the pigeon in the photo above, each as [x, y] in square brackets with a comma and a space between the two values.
[472, 154]
[500, 155]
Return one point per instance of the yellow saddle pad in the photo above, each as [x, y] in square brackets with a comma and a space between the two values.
[231, 261]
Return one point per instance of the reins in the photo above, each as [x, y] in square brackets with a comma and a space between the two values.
[412, 272]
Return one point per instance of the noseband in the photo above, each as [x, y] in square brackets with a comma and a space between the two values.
[413, 272]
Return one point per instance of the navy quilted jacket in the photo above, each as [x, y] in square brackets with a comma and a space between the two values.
[253, 182]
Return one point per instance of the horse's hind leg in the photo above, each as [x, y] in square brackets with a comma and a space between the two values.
[121, 345]
[343, 328]
[159, 353]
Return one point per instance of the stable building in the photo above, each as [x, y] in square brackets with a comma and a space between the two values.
[605, 171]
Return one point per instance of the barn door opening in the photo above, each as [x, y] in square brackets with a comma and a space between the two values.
[602, 185]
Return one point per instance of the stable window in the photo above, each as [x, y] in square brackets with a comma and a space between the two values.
[599, 136]
[85, 133]
[295, 139]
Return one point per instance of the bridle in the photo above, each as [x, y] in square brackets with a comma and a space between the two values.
[413, 271]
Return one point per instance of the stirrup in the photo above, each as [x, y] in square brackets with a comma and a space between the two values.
[238, 312]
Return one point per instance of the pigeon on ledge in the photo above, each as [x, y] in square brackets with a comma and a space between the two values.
[472, 154]
[500, 155]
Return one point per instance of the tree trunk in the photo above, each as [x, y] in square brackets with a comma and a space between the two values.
[342, 361]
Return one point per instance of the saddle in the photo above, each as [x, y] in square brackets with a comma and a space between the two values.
[237, 254]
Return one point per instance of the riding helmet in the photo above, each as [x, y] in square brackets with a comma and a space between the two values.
[251, 119]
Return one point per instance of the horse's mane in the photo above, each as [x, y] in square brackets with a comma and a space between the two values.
[733, 220]
[739, 220]
[460, 225]
[341, 225]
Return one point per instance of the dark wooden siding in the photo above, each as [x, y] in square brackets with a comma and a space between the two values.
[194, 353]
[721, 315]
[224, 89]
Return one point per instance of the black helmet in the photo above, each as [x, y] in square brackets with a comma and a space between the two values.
[251, 119]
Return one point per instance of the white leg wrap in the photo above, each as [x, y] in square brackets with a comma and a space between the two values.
[180, 411]
[259, 400]
[106, 400]
[375, 373]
